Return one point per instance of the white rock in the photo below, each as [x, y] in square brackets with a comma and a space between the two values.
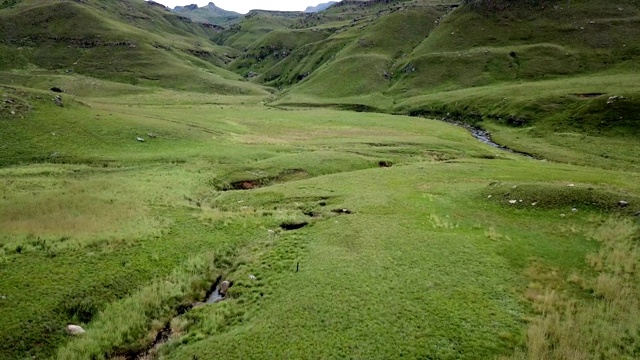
[513, 201]
[75, 330]
[571, 185]
[574, 210]
[252, 277]
[562, 215]
[534, 203]
[623, 203]
[489, 197]
[224, 287]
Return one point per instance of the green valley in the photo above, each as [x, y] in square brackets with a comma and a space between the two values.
[193, 183]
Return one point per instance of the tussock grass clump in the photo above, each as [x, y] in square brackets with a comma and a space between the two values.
[602, 325]
[130, 325]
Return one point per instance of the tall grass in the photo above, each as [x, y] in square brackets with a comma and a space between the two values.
[131, 324]
[603, 323]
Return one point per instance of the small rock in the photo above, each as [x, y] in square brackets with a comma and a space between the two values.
[252, 277]
[519, 200]
[623, 203]
[513, 201]
[140, 139]
[152, 135]
[637, 213]
[271, 232]
[58, 101]
[75, 330]
[514, 186]
[574, 210]
[224, 287]
[534, 203]
[489, 197]
[562, 215]
[342, 211]
[13, 112]
[571, 185]
[3, 297]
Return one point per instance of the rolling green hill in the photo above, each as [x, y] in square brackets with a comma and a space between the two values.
[126, 41]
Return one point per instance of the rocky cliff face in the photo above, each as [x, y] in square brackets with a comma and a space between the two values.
[209, 13]
[319, 7]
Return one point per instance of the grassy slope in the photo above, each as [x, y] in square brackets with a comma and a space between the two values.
[128, 42]
[136, 211]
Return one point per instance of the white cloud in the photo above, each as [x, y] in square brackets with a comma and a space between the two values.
[243, 6]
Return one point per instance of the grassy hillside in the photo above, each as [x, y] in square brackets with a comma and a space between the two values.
[478, 45]
[127, 41]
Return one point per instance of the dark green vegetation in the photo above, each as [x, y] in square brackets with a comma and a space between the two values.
[179, 154]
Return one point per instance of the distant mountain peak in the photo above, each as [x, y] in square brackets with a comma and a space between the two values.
[319, 7]
[209, 13]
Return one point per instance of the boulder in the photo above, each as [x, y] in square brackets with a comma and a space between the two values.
[75, 330]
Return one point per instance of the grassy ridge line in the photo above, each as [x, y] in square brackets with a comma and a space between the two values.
[128, 326]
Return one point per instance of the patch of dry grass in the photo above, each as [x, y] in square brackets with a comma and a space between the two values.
[589, 316]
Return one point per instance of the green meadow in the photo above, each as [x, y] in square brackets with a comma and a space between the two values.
[431, 259]
[312, 161]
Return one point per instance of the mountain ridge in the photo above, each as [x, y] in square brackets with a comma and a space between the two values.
[209, 13]
[319, 7]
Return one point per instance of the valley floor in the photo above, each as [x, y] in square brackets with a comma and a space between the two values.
[413, 239]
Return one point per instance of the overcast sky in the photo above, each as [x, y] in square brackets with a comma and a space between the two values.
[243, 6]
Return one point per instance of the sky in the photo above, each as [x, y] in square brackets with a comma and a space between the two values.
[243, 6]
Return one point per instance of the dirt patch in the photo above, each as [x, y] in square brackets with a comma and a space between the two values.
[293, 226]
[244, 185]
[589, 95]
[313, 214]
[249, 184]
[342, 211]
